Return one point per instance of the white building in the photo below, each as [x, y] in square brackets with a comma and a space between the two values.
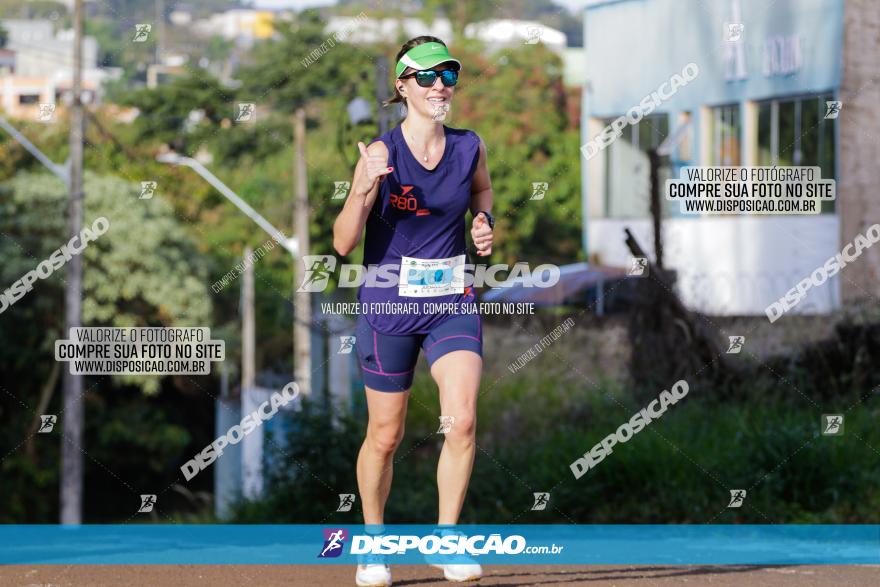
[245, 26]
[42, 70]
[497, 34]
[757, 101]
[501, 33]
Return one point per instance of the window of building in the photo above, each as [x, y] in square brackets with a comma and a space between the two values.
[685, 144]
[627, 169]
[724, 130]
[794, 131]
[28, 98]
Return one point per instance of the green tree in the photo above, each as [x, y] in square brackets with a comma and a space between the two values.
[304, 63]
[145, 271]
[165, 111]
[515, 100]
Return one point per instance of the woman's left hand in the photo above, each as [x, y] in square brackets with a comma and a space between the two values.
[481, 233]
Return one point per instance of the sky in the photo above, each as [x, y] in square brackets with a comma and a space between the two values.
[301, 4]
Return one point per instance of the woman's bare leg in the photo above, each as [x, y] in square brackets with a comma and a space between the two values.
[458, 376]
[375, 464]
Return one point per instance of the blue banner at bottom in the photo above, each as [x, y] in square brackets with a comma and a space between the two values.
[420, 544]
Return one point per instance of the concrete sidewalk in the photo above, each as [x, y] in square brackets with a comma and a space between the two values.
[424, 576]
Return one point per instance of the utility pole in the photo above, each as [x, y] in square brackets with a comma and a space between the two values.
[251, 451]
[71, 448]
[160, 30]
[382, 93]
[302, 306]
[248, 330]
[248, 374]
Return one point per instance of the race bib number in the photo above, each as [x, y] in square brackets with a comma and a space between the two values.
[423, 278]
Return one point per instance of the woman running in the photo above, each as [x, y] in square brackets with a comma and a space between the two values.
[412, 188]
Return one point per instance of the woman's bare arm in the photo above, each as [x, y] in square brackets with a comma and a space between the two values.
[481, 187]
[370, 170]
[481, 199]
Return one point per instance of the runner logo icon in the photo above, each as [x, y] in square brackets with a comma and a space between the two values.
[346, 344]
[319, 268]
[346, 500]
[832, 424]
[539, 190]
[638, 266]
[737, 497]
[736, 344]
[333, 543]
[147, 503]
[47, 423]
[541, 500]
[832, 109]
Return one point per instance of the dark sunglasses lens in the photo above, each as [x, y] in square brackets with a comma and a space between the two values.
[449, 77]
[426, 79]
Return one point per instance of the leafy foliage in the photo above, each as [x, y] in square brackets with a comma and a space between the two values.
[276, 75]
[165, 111]
[515, 101]
[679, 469]
[144, 271]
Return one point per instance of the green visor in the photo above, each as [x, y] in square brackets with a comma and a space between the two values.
[425, 56]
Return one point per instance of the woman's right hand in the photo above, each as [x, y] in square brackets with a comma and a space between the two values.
[373, 169]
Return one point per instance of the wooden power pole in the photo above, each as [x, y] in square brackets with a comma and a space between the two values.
[302, 307]
[71, 487]
[248, 330]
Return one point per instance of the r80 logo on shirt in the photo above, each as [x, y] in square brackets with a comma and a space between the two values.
[406, 202]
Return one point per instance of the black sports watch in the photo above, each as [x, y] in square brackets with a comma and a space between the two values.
[489, 217]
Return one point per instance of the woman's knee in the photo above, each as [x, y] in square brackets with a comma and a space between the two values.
[385, 437]
[463, 429]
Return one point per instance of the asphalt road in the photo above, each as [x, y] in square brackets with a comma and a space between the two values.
[424, 576]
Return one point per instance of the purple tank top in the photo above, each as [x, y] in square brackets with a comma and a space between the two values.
[418, 219]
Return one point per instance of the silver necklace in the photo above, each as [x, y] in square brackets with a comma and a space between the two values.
[413, 139]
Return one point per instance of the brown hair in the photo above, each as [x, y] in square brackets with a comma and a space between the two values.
[397, 98]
